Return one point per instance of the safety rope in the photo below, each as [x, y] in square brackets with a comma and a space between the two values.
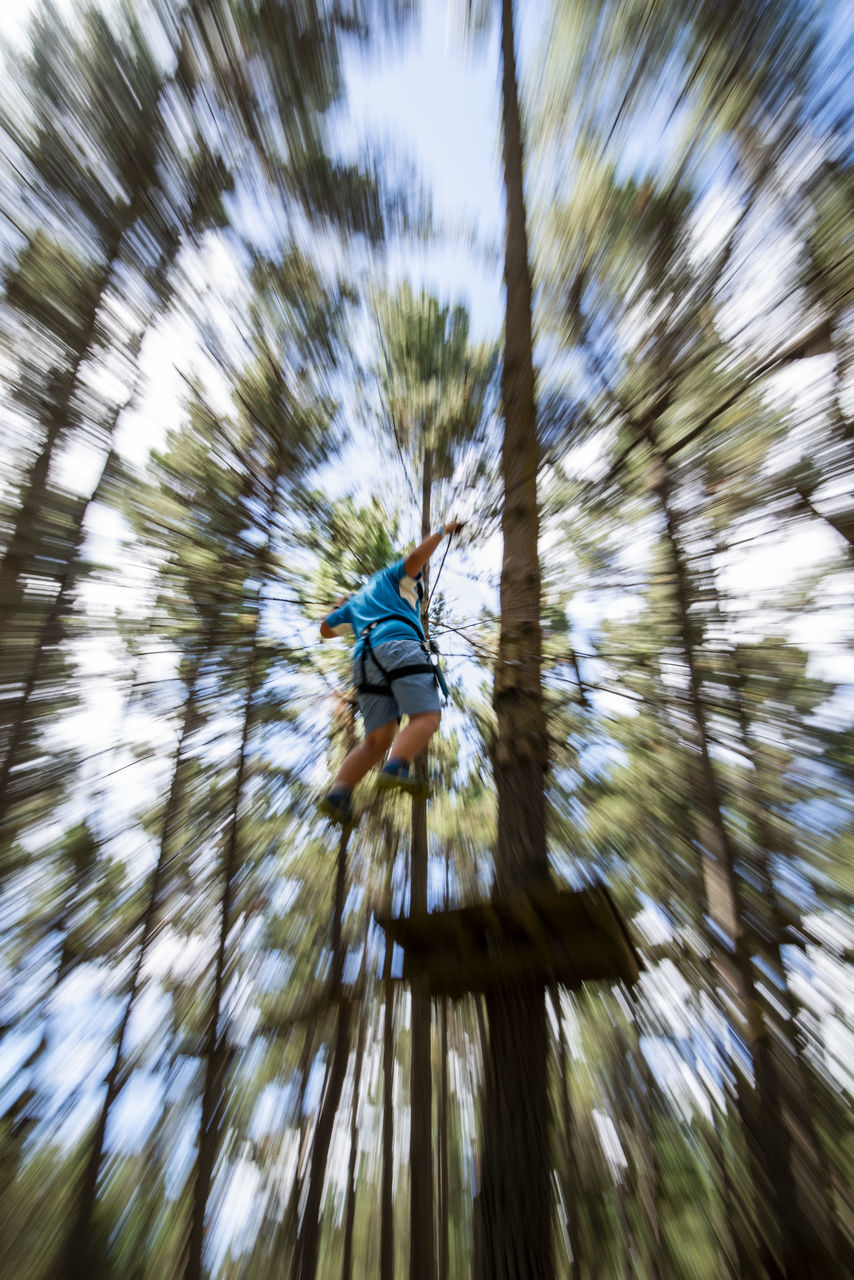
[438, 575]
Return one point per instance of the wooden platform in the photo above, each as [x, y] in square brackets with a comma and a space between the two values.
[544, 936]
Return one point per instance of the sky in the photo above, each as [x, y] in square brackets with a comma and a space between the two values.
[451, 136]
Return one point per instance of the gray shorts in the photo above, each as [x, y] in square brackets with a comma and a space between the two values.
[411, 695]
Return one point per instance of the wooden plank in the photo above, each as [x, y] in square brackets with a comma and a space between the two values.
[549, 935]
[450, 974]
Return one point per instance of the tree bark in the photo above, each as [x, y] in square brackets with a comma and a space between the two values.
[646, 1171]
[649, 1182]
[741, 1253]
[443, 1248]
[352, 1187]
[308, 1241]
[515, 1238]
[422, 1263]
[421, 1255]
[287, 1235]
[387, 1190]
[304, 1262]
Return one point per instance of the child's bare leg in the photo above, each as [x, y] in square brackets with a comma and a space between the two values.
[365, 756]
[412, 740]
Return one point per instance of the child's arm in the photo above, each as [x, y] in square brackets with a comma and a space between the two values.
[416, 560]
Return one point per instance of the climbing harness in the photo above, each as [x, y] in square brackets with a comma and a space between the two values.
[431, 649]
[430, 667]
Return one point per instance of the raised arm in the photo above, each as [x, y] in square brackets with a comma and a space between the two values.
[416, 560]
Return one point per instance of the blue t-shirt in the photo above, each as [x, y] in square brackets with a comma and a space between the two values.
[390, 593]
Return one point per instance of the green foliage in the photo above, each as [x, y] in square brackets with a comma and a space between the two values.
[436, 387]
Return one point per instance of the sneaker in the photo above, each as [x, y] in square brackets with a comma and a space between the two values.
[337, 807]
[396, 776]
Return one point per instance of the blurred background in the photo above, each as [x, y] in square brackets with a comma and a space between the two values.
[253, 337]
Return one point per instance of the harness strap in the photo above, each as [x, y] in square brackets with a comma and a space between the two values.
[396, 617]
[396, 673]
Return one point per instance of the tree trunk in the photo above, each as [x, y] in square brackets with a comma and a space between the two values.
[308, 1241]
[741, 1253]
[19, 1120]
[768, 937]
[350, 1215]
[74, 1264]
[49, 634]
[648, 1178]
[286, 1238]
[156, 1154]
[421, 1251]
[387, 1191]
[443, 1247]
[26, 533]
[644, 1166]
[387, 1176]
[15, 714]
[443, 1250]
[422, 1265]
[842, 522]
[64, 384]
[515, 1239]
[216, 1048]
[304, 1262]
[793, 1248]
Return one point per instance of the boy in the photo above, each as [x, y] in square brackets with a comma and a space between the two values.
[392, 674]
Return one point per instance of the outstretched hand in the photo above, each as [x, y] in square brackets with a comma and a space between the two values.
[454, 526]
